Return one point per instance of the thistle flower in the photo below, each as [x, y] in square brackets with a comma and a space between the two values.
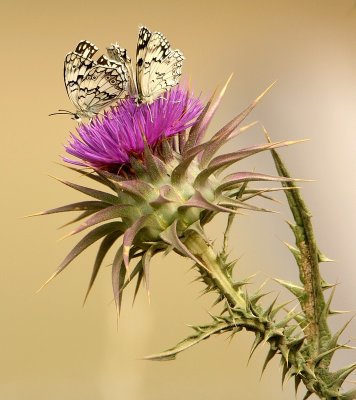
[163, 181]
[108, 143]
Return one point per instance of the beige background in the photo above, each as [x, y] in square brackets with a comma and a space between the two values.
[52, 348]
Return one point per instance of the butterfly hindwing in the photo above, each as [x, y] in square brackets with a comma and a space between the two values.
[102, 84]
[119, 54]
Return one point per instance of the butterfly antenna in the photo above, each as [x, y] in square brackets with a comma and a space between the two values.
[61, 112]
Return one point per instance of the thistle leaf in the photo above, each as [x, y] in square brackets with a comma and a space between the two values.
[130, 234]
[307, 395]
[81, 216]
[340, 375]
[170, 236]
[271, 353]
[137, 189]
[197, 132]
[349, 395]
[203, 332]
[298, 291]
[241, 177]
[97, 177]
[198, 200]
[96, 194]
[258, 340]
[80, 206]
[155, 167]
[108, 213]
[220, 137]
[225, 160]
[105, 246]
[118, 278]
[84, 243]
[194, 130]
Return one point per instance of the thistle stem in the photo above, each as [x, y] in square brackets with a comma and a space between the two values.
[204, 252]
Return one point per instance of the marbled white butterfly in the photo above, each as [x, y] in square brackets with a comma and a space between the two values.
[92, 85]
[158, 68]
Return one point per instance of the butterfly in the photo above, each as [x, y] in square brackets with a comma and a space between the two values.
[92, 85]
[158, 67]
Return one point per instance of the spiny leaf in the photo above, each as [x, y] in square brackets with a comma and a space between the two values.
[271, 353]
[285, 371]
[130, 235]
[170, 236]
[146, 260]
[81, 216]
[298, 291]
[96, 194]
[111, 212]
[240, 177]
[268, 311]
[84, 243]
[179, 172]
[167, 194]
[198, 200]
[349, 395]
[198, 130]
[105, 246]
[258, 340]
[97, 177]
[138, 167]
[194, 130]
[296, 252]
[80, 206]
[155, 167]
[137, 270]
[220, 137]
[297, 380]
[340, 375]
[167, 151]
[225, 200]
[307, 395]
[118, 278]
[137, 189]
[202, 334]
[223, 161]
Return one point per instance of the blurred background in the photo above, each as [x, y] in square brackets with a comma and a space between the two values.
[51, 347]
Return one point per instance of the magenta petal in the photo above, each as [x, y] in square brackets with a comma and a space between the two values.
[110, 140]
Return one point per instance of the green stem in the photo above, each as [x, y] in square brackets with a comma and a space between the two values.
[204, 252]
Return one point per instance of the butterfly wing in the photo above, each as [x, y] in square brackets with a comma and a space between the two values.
[158, 68]
[103, 83]
[76, 64]
[119, 54]
[92, 85]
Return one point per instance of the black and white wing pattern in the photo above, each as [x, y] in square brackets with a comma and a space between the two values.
[119, 54]
[92, 85]
[158, 67]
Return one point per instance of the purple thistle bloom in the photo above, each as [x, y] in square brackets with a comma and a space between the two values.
[108, 142]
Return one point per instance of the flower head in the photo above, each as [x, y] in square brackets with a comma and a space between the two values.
[109, 142]
[157, 191]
